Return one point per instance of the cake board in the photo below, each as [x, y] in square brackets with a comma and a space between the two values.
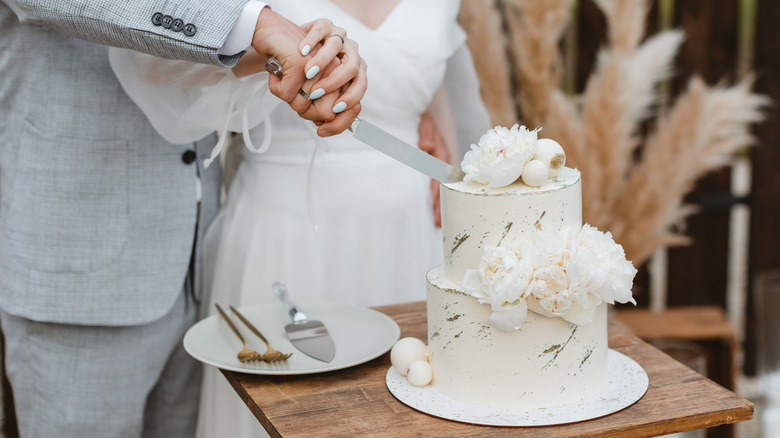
[628, 382]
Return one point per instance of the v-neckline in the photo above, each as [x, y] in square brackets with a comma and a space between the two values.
[363, 25]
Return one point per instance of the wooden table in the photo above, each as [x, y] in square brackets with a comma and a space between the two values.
[355, 401]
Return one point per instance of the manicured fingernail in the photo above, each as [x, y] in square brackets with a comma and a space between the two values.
[312, 72]
[341, 106]
[316, 94]
[305, 50]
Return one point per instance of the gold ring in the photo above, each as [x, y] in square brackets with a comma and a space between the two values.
[339, 36]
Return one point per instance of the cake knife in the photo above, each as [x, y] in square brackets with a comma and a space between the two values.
[309, 336]
[391, 145]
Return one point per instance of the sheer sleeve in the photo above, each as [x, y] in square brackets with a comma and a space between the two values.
[185, 101]
[462, 88]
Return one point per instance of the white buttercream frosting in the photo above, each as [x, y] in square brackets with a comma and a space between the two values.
[475, 216]
[547, 362]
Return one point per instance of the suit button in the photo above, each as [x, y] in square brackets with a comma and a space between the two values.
[189, 156]
[167, 21]
[177, 25]
[157, 18]
[190, 29]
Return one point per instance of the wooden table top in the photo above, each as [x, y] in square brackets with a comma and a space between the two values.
[356, 402]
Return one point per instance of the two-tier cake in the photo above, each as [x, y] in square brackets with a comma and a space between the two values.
[517, 315]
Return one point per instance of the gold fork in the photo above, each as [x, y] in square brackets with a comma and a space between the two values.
[247, 354]
[270, 355]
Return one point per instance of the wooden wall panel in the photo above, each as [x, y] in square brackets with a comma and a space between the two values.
[697, 273]
[764, 252]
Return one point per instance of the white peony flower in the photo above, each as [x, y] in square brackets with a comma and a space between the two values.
[501, 281]
[567, 274]
[609, 255]
[556, 286]
[498, 158]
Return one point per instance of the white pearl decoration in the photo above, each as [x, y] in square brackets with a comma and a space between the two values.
[550, 152]
[406, 351]
[420, 373]
[535, 173]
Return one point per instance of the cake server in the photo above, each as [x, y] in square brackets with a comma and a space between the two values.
[309, 336]
[391, 145]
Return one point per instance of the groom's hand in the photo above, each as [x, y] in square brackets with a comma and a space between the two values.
[278, 37]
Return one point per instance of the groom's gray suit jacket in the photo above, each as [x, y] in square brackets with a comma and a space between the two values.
[97, 212]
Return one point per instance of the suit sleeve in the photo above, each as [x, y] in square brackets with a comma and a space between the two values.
[180, 29]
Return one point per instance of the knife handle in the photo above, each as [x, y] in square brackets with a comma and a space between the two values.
[280, 291]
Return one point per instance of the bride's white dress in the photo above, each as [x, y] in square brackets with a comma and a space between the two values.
[359, 228]
[366, 236]
[331, 218]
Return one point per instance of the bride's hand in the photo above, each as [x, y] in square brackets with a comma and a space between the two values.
[344, 75]
[432, 141]
[278, 37]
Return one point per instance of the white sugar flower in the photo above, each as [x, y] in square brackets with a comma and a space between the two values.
[565, 274]
[608, 254]
[501, 281]
[556, 288]
[498, 158]
[575, 271]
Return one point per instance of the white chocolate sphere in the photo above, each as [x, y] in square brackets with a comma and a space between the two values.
[406, 351]
[535, 173]
[549, 152]
[420, 373]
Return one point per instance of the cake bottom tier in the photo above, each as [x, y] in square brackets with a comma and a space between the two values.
[547, 362]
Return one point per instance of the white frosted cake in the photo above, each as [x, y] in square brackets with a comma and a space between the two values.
[517, 315]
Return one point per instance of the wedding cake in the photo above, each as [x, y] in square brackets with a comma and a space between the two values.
[517, 315]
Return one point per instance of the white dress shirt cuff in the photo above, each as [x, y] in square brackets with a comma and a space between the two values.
[240, 37]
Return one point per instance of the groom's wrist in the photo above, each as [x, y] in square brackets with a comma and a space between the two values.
[241, 35]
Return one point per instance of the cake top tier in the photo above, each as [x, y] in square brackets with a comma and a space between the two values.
[476, 216]
[514, 239]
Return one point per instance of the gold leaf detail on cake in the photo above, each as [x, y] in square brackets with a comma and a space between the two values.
[506, 231]
[587, 356]
[538, 223]
[557, 349]
[459, 239]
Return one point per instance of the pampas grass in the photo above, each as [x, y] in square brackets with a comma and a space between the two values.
[538, 26]
[488, 45]
[700, 133]
[640, 200]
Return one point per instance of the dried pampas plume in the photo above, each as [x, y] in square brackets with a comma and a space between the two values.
[640, 200]
[488, 45]
[702, 130]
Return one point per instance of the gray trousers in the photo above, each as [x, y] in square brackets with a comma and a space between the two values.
[92, 381]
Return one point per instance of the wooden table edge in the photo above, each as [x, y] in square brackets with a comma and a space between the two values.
[620, 339]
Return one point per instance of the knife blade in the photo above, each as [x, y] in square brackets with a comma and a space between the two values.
[398, 149]
[391, 145]
[309, 336]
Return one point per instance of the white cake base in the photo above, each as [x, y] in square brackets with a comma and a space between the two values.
[628, 382]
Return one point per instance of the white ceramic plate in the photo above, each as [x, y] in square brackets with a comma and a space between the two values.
[360, 334]
[627, 383]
